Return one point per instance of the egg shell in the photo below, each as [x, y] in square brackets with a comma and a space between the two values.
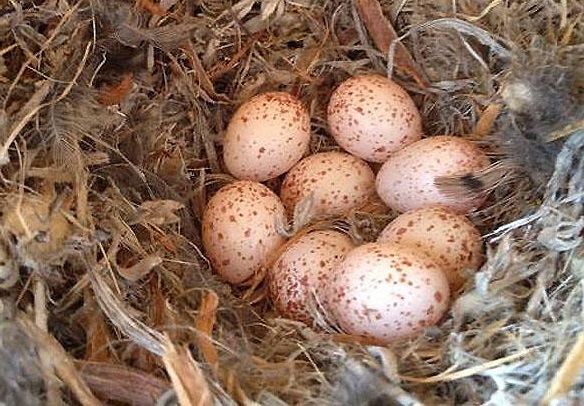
[266, 136]
[297, 279]
[450, 239]
[387, 292]
[239, 229]
[371, 117]
[339, 182]
[406, 180]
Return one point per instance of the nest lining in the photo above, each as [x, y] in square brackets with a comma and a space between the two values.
[111, 120]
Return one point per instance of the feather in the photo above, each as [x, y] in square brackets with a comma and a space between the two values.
[538, 101]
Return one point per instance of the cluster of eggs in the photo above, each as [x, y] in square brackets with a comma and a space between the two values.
[385, 290]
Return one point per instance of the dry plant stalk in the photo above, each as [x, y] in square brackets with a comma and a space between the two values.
[120, 176]
[61, 362]
[30, 110]
[451, 374]
[486, 122]
[204, 325]
[187, 378]
[568, 373]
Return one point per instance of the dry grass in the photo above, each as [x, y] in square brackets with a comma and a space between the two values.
[111, 117]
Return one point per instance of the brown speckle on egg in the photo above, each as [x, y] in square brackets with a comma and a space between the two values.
[239, 229]
[406, 181]
[371, 116]
[402, 290]
[339, 182]
[298, 277]
[449, 238]
[266, 136]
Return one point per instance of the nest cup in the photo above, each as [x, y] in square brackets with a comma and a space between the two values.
[112, 116]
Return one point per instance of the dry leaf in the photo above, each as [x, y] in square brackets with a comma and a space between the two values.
[187, 378]
[159, 212]
[383, 34]
[61, 362]
[121, 384]
[165, 240]
[151, 7]
[205, 322]
[117, 94]
[271, 7]
[94, 324]
[167, 4]
[200, 73]
[171, 165]
[242, 8]
[485, 124]
[140, 269]
[157, 310]
[40, 228]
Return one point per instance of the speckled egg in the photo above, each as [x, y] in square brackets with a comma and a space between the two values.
[239, 229]
[450, 239]
[338, 181]
[297, 278]
[266, 136]
[406, 181]
[387, 292]
[371, 117]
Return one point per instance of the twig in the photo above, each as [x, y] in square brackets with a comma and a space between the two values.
[447, 375]
[58, 359]
[32, 107]
[45, 46]
[41, 321]
[565, 131]
[568, 372]
[7, 49]
[486, 10]
[80, 68]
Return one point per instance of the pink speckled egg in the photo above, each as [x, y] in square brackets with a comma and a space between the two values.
[338, 181]
[406, 181]
[239, 229]
[297, 278]
[450, 239]
[266, 136]
[387, 292]
[371, 117]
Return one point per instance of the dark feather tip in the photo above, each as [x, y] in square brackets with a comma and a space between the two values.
[467, 186]
[472, 182]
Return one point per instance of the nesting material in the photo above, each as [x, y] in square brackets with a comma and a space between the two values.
[113, 118]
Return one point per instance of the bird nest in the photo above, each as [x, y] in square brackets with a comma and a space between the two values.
[111, 119]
